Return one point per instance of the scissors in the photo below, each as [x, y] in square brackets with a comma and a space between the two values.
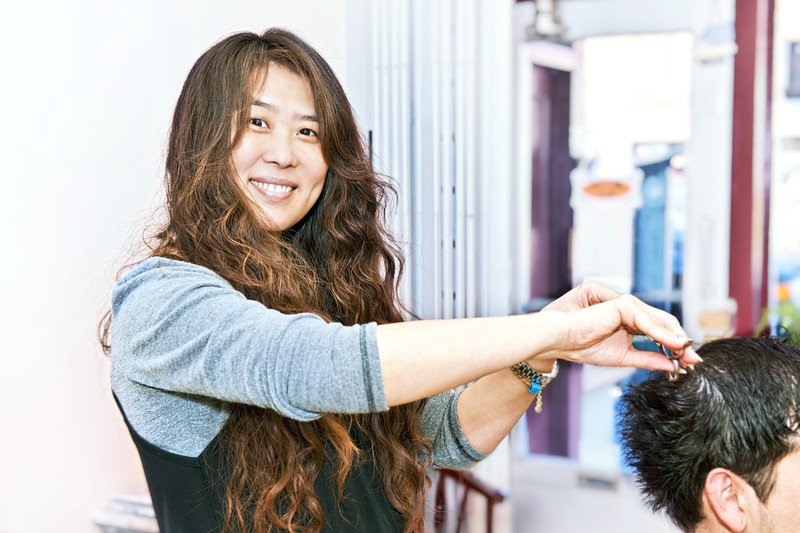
[677, 370]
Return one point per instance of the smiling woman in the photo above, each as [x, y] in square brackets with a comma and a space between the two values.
[260, 354]
[279, 159]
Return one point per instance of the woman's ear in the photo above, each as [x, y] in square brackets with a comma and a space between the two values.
[729, 498]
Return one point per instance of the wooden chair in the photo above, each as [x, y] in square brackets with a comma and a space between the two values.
[467, 482]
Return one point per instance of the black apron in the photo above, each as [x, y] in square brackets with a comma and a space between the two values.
[188, 492]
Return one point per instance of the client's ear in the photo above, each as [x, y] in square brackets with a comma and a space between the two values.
[729, 498]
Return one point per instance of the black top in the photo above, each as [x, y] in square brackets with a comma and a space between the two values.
[187, 492]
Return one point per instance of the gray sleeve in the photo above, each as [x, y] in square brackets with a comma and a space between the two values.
[181, 328]
[451, 449]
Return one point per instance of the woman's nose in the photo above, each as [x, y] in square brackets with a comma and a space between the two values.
[278, 149]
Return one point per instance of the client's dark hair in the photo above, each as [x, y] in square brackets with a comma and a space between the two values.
[736, 410]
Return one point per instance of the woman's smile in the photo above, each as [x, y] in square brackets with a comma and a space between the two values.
[274, 189]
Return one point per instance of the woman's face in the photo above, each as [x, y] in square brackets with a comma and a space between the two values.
[279, 159]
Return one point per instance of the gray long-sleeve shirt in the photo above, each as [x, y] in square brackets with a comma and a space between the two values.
[186, 345]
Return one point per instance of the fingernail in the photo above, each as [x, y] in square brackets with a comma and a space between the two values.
[682, 370]
[688, 343]
[696, 357]
[690, 352]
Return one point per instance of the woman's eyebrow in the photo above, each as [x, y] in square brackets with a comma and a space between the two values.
[274, 109]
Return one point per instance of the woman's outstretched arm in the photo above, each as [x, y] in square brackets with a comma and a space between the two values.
[425, 357]
[590, 324]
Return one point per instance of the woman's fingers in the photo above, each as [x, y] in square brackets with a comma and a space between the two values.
[601, 334]
[664, 328]
[667, 320]
[647, 360]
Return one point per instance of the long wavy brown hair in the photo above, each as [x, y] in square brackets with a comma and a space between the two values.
[338, 262]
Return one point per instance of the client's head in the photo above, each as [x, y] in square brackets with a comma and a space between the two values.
[718, 448]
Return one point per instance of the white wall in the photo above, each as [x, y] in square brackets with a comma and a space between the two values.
[85, 104]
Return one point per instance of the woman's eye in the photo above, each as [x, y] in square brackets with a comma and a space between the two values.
[308, 132]
[259, 122]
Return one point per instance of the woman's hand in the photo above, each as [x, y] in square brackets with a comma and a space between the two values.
[602, 333]
[588, 293]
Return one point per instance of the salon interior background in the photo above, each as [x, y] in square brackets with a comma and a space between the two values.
[445, 88]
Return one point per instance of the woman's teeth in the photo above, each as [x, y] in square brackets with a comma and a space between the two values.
[271, 187]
